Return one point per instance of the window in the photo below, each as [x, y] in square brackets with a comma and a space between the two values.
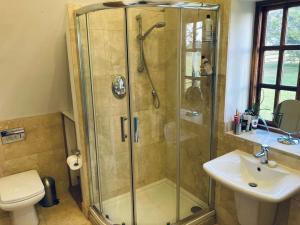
[193, 39]
[192, 50]
[276, 55]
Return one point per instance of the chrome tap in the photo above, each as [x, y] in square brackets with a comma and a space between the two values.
[265, 123]
[263, 154]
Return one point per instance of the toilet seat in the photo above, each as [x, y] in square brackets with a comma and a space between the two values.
[22, 204]
[22, 199]
[20, 187]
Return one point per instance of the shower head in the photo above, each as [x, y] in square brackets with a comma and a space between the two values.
[160, 24]
[157, 25]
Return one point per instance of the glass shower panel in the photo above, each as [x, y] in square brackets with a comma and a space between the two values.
[195, 110]
[107, 49]
[88, 105]
[152, 35]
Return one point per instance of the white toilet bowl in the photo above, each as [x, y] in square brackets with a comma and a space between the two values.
[19, 193]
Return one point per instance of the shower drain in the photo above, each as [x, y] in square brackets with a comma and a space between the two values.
[195, 209]
[252, 184]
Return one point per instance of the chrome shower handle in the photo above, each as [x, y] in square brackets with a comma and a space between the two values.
[123, 135]
[135, 129]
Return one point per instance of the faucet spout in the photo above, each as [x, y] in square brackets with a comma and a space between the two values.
[265, 123]
[263, 154]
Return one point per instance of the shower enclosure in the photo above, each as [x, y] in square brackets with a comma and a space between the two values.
[148, 79]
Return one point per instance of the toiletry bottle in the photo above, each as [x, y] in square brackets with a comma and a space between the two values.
[247, 117]
[206, 68]
[244, 123]
[254, 123]
[237, 123]
[208, 28]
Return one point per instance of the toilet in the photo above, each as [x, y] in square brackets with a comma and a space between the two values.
[18, 195]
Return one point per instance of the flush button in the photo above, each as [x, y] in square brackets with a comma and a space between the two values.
[12, 135]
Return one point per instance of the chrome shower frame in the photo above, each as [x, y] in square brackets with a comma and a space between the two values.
[94, 213]
[131, 4]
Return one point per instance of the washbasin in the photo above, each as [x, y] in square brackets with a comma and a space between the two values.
[244, 173]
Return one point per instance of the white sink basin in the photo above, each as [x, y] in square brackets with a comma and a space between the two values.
[238, 169]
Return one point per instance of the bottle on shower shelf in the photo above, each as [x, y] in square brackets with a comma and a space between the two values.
[208, 29]
[206, 68]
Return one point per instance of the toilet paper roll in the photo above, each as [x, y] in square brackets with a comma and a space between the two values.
[73, 163]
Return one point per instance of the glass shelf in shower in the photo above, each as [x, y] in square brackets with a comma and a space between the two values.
[197, 78]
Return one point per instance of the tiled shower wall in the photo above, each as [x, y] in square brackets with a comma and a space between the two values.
[150, 151]
[43, 149]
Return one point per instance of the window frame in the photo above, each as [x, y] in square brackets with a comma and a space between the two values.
[193, 49]
[259, 48]
[188, 79]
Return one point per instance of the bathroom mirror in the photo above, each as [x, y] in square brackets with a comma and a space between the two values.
[287, 118]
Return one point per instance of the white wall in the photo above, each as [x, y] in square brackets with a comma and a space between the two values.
[33, 60]
[239, 57]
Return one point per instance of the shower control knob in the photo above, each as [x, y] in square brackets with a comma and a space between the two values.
[119, 86]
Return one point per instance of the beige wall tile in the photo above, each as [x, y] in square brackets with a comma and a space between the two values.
[43, 148]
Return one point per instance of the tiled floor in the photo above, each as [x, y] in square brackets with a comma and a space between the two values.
[65, 213]
[156, 204]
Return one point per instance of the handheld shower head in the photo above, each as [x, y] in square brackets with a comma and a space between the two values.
[142, 64]
[157, 25]
[160, 24]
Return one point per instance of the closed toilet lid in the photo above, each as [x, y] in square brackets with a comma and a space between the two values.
[21, 186]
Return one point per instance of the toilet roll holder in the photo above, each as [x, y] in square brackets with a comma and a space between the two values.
[77, 153]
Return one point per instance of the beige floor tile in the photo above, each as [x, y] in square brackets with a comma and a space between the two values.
[5, 221]
[65, 213]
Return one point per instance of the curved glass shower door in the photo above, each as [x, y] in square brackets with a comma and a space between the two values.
[171, 111]
[154, 91]
[104, 77]
[198, 74]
